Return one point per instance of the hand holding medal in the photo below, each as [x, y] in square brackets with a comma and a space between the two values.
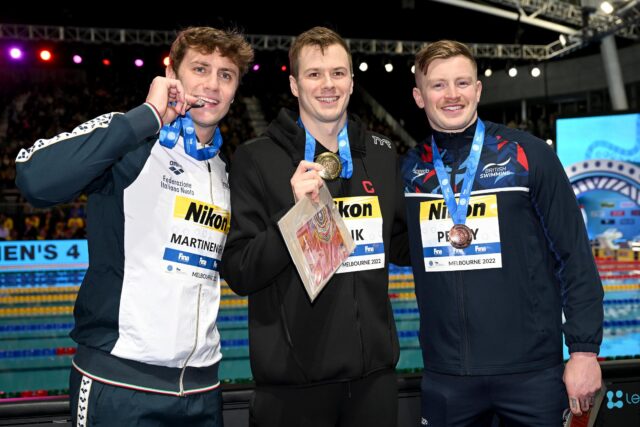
[306, 181]
[334, 165]
[309, 176]
[167, 96]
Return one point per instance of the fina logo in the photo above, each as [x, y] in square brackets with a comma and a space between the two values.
[175, 167]
[630, 399]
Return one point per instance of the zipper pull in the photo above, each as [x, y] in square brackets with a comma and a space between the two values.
[208, 166]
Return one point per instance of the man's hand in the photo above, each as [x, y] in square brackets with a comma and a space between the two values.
[583, 378]
[168, 97]
[306, 181]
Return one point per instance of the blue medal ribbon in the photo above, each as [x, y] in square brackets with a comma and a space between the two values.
[344, 150]
[169, 135]
[459, 216]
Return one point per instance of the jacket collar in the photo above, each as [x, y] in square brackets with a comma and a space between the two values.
[285, 132]
[455, 140]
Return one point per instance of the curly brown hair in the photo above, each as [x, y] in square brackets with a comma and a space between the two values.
[206, 40]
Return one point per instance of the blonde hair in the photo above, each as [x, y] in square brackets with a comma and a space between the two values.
[442, 49]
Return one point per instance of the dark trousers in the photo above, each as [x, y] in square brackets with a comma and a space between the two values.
[96, 404]
[370, 401]
[531, 399]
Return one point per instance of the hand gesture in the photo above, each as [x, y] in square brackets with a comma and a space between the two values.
[306, 181]
[169, 98]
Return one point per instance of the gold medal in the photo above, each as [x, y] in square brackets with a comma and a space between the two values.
[332, 165]
[460, 236]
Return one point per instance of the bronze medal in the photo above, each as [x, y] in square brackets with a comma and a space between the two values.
[460, 236]
[331, 164]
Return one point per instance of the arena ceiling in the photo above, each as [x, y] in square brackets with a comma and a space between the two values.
[534, 22]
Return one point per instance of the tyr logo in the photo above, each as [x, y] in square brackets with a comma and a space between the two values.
[381, 141]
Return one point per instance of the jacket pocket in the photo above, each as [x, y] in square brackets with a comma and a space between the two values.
[287, 333]
[532, 287]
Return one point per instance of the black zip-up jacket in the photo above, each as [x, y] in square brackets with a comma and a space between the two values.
[348, 332]
[508, 319]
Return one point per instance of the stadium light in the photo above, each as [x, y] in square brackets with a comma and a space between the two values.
[45, 55]
[606, 7]
[535, 72]
[15, 53]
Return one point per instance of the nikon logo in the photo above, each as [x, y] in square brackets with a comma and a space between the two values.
[207, 216]
[354, 210]
[438, 210]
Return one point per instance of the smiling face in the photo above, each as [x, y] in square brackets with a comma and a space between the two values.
[214, 79]
[449, 93]
[323, 84]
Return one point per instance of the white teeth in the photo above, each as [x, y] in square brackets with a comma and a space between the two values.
[328, 99]
[453, 108]
[208, 100]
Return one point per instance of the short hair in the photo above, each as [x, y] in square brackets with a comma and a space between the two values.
[317, 36]
[442, 49]
[206, 40]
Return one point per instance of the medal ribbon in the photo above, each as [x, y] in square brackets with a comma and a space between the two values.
[344, 150]
[459, 216]
[170, 133]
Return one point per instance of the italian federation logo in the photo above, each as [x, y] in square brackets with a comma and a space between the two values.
[175, 167]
